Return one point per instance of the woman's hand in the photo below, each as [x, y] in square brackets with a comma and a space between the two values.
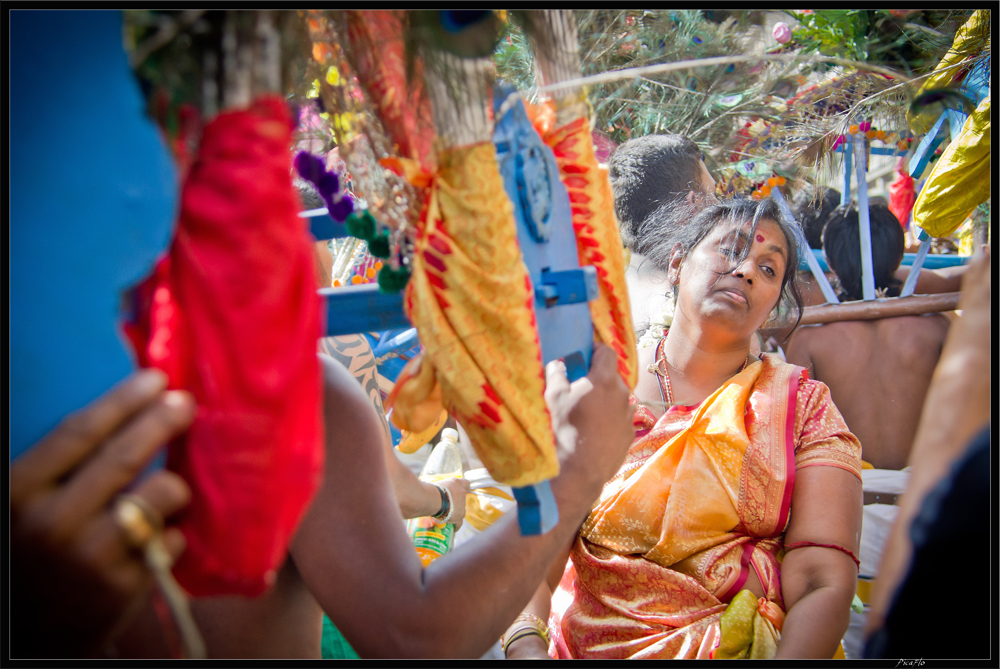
[74, 577]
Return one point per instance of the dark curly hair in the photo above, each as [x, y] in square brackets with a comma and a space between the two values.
[842, 247]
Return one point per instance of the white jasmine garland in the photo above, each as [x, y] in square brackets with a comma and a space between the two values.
[659, 320]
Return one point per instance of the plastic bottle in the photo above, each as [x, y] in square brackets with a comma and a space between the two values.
[432, 538]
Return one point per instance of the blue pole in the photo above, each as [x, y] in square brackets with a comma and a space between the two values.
[845, 195]
[864, 227]
[918, 263]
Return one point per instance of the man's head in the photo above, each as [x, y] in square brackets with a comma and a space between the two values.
[813, 209]
[651, 171]
[307, 193]
[842, 246]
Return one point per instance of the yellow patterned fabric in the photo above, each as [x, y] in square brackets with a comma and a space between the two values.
[471, 300]
[703, 497]
[942, 78]
[960, 180]
[598, 240]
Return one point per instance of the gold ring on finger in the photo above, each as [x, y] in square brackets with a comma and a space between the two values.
[138, 521]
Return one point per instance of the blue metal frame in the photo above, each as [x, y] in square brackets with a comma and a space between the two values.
[909, 260]
[322, 226]
[911, 280]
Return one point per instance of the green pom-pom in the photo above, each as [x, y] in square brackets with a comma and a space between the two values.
[392, 280]
[379, 245]
[360, 225]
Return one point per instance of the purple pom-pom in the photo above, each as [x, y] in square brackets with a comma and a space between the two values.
[340, 210]
[327, 184]
[309, 166]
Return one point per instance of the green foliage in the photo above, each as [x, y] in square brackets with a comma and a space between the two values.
[514, 62]
[912, 41]
[833, 32]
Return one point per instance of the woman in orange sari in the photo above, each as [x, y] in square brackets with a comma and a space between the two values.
[749, 481]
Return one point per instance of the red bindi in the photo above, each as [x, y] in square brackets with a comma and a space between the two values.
[760, 238]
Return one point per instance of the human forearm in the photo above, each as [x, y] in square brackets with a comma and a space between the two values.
[416, 498]
[532, 646]
[503, 561]
[815, 625]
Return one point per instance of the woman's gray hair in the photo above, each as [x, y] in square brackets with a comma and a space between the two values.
[674, 225]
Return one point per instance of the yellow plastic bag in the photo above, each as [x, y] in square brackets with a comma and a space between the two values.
[920, 123]
[960, 180]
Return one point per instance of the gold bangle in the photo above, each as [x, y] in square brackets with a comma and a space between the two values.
[530, 624]
[520, 634]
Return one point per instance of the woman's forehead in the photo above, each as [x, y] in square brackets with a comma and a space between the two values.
[766, 230]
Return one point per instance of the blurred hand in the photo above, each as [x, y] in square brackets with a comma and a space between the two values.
[73, 576]
[458, 488]
[592, 417]
[976, 285]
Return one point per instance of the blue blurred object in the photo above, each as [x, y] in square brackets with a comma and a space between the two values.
[362, 308]
[322, 226]
[93, 195]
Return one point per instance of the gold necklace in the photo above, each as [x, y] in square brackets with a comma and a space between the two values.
[659, 367]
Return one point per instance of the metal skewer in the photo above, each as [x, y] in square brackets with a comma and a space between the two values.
[143, 529]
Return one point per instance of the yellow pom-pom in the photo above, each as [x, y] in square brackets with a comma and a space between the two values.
[853, 130]
[357, 279]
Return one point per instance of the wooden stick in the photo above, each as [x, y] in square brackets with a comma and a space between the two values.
[880, 308]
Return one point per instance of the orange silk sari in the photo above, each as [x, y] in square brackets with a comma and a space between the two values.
[703, 497]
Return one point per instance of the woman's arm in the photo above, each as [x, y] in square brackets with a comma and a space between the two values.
[533, 647]
[818, 584]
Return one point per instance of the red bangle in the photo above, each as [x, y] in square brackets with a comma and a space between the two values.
[803, 544]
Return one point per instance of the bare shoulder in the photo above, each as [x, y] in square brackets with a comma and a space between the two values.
[338, 381]
[827, 337]
[346, 406]
[914, 336]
